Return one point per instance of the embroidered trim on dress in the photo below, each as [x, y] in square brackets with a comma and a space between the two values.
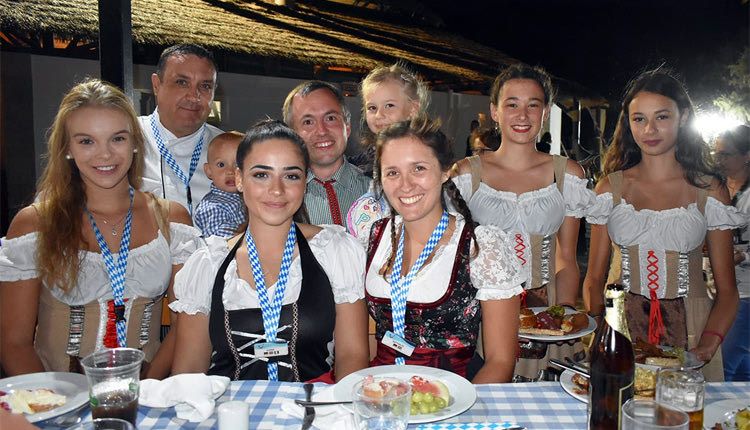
[544, 263]
[75, 331]
[625, 267]
[683, 274]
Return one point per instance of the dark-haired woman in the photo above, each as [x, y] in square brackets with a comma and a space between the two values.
[271, 302]
[732, 153]
[432, 277]
[656, 206]
[535, 197]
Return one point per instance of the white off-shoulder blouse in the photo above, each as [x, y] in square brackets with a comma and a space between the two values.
[495, 271]
[676, 229]
[147, 274]
[339, 254]
[538, 212]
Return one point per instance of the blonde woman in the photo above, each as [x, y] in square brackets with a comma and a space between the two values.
[87, 267]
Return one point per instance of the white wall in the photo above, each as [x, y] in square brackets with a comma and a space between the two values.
[245, 99]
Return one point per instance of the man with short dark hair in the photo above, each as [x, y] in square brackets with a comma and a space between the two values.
[317, 111]
[176, 133]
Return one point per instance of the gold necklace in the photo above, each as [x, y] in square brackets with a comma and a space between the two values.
[112, 225]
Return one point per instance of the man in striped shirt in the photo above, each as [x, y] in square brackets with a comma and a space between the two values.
[317, 111]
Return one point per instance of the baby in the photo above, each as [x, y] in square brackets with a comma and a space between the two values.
[221, 211]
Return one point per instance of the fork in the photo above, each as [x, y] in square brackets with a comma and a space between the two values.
[309, 411]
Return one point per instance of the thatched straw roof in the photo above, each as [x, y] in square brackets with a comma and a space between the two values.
[314, 32]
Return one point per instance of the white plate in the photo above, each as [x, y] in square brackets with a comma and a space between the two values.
[566, 381]
[721, 411]
[547, 338]
[463, 394]
[72, 385]
[567, 384]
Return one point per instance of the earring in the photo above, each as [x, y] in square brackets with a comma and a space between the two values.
[68, 157]
[135, 150]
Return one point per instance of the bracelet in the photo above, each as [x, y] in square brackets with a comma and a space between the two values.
[567, 305]
[715, 333]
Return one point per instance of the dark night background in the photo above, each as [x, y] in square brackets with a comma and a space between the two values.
[602, 44]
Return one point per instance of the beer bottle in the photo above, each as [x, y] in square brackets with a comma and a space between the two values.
[612, 364]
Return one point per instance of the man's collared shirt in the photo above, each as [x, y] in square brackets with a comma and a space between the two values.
[219, 213]
[158, 177]
[349, 186]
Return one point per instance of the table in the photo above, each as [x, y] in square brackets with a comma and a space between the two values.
[537, 405]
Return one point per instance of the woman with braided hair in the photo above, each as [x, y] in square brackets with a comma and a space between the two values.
[432, 277]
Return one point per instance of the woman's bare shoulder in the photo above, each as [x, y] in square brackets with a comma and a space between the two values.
[26, 221]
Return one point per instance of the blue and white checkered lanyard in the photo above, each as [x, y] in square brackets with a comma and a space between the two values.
[173, 164]
[116, 272]
[400, 286]
[271, 309]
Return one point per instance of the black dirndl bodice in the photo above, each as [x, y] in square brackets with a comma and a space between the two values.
[307, 325]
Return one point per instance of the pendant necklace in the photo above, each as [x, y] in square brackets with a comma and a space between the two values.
[113, 226]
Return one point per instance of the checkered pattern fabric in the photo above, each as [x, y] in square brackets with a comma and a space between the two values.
[537, 406]
[219, 213]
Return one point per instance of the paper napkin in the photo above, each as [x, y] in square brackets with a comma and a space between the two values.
[326, 417]
[192, 394]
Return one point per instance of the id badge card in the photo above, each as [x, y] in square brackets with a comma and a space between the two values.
[271, 349]
[394, 341]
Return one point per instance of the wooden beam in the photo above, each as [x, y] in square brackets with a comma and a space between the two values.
[116, 44]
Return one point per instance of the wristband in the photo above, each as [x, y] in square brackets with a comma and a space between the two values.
[567, 305]
[715, 333]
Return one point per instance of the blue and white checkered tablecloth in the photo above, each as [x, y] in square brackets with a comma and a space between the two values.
[538, 406]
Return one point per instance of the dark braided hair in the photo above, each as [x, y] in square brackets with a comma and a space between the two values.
[428, 132]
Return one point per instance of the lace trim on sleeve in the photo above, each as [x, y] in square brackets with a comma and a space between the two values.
[495, 272]
[17, 260]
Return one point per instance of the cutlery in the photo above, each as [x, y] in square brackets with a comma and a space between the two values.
[577, 365]
[577, 369]
[309, 411]
[312, 404]
[65, 420]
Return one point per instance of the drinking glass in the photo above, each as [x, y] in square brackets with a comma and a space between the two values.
[683, 389]
[641, 414]
[104, 424]
[381, 404]
[114, 382]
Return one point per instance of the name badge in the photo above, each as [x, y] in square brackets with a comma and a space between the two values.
[392, 340]
[271, 349]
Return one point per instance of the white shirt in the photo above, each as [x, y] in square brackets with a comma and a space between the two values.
[339, 254]
[147, 275]
[156, 169]
[495, 271]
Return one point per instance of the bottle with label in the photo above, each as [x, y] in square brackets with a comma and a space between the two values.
[612, 364]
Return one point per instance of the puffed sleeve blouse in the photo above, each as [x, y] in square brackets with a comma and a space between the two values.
[538, 212]
[339, 254]
[677, 229]
[147, 274]
[495, 272]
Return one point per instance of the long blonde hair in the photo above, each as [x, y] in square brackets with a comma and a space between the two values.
[61, 190]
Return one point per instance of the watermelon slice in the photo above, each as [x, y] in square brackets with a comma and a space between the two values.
[437, 388]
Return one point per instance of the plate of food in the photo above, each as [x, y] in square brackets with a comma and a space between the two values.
[458, 393]
[664, 356]
[578, 386]
[554, 323]
[44, 395]
[731, 414]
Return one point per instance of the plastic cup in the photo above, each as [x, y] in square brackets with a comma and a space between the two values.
[376, 409]
[114, 382]
[104, 424]
[683, 389]
[234, 415]
[640, 414]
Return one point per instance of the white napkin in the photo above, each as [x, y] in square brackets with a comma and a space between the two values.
[191, 394]
[326, 417]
